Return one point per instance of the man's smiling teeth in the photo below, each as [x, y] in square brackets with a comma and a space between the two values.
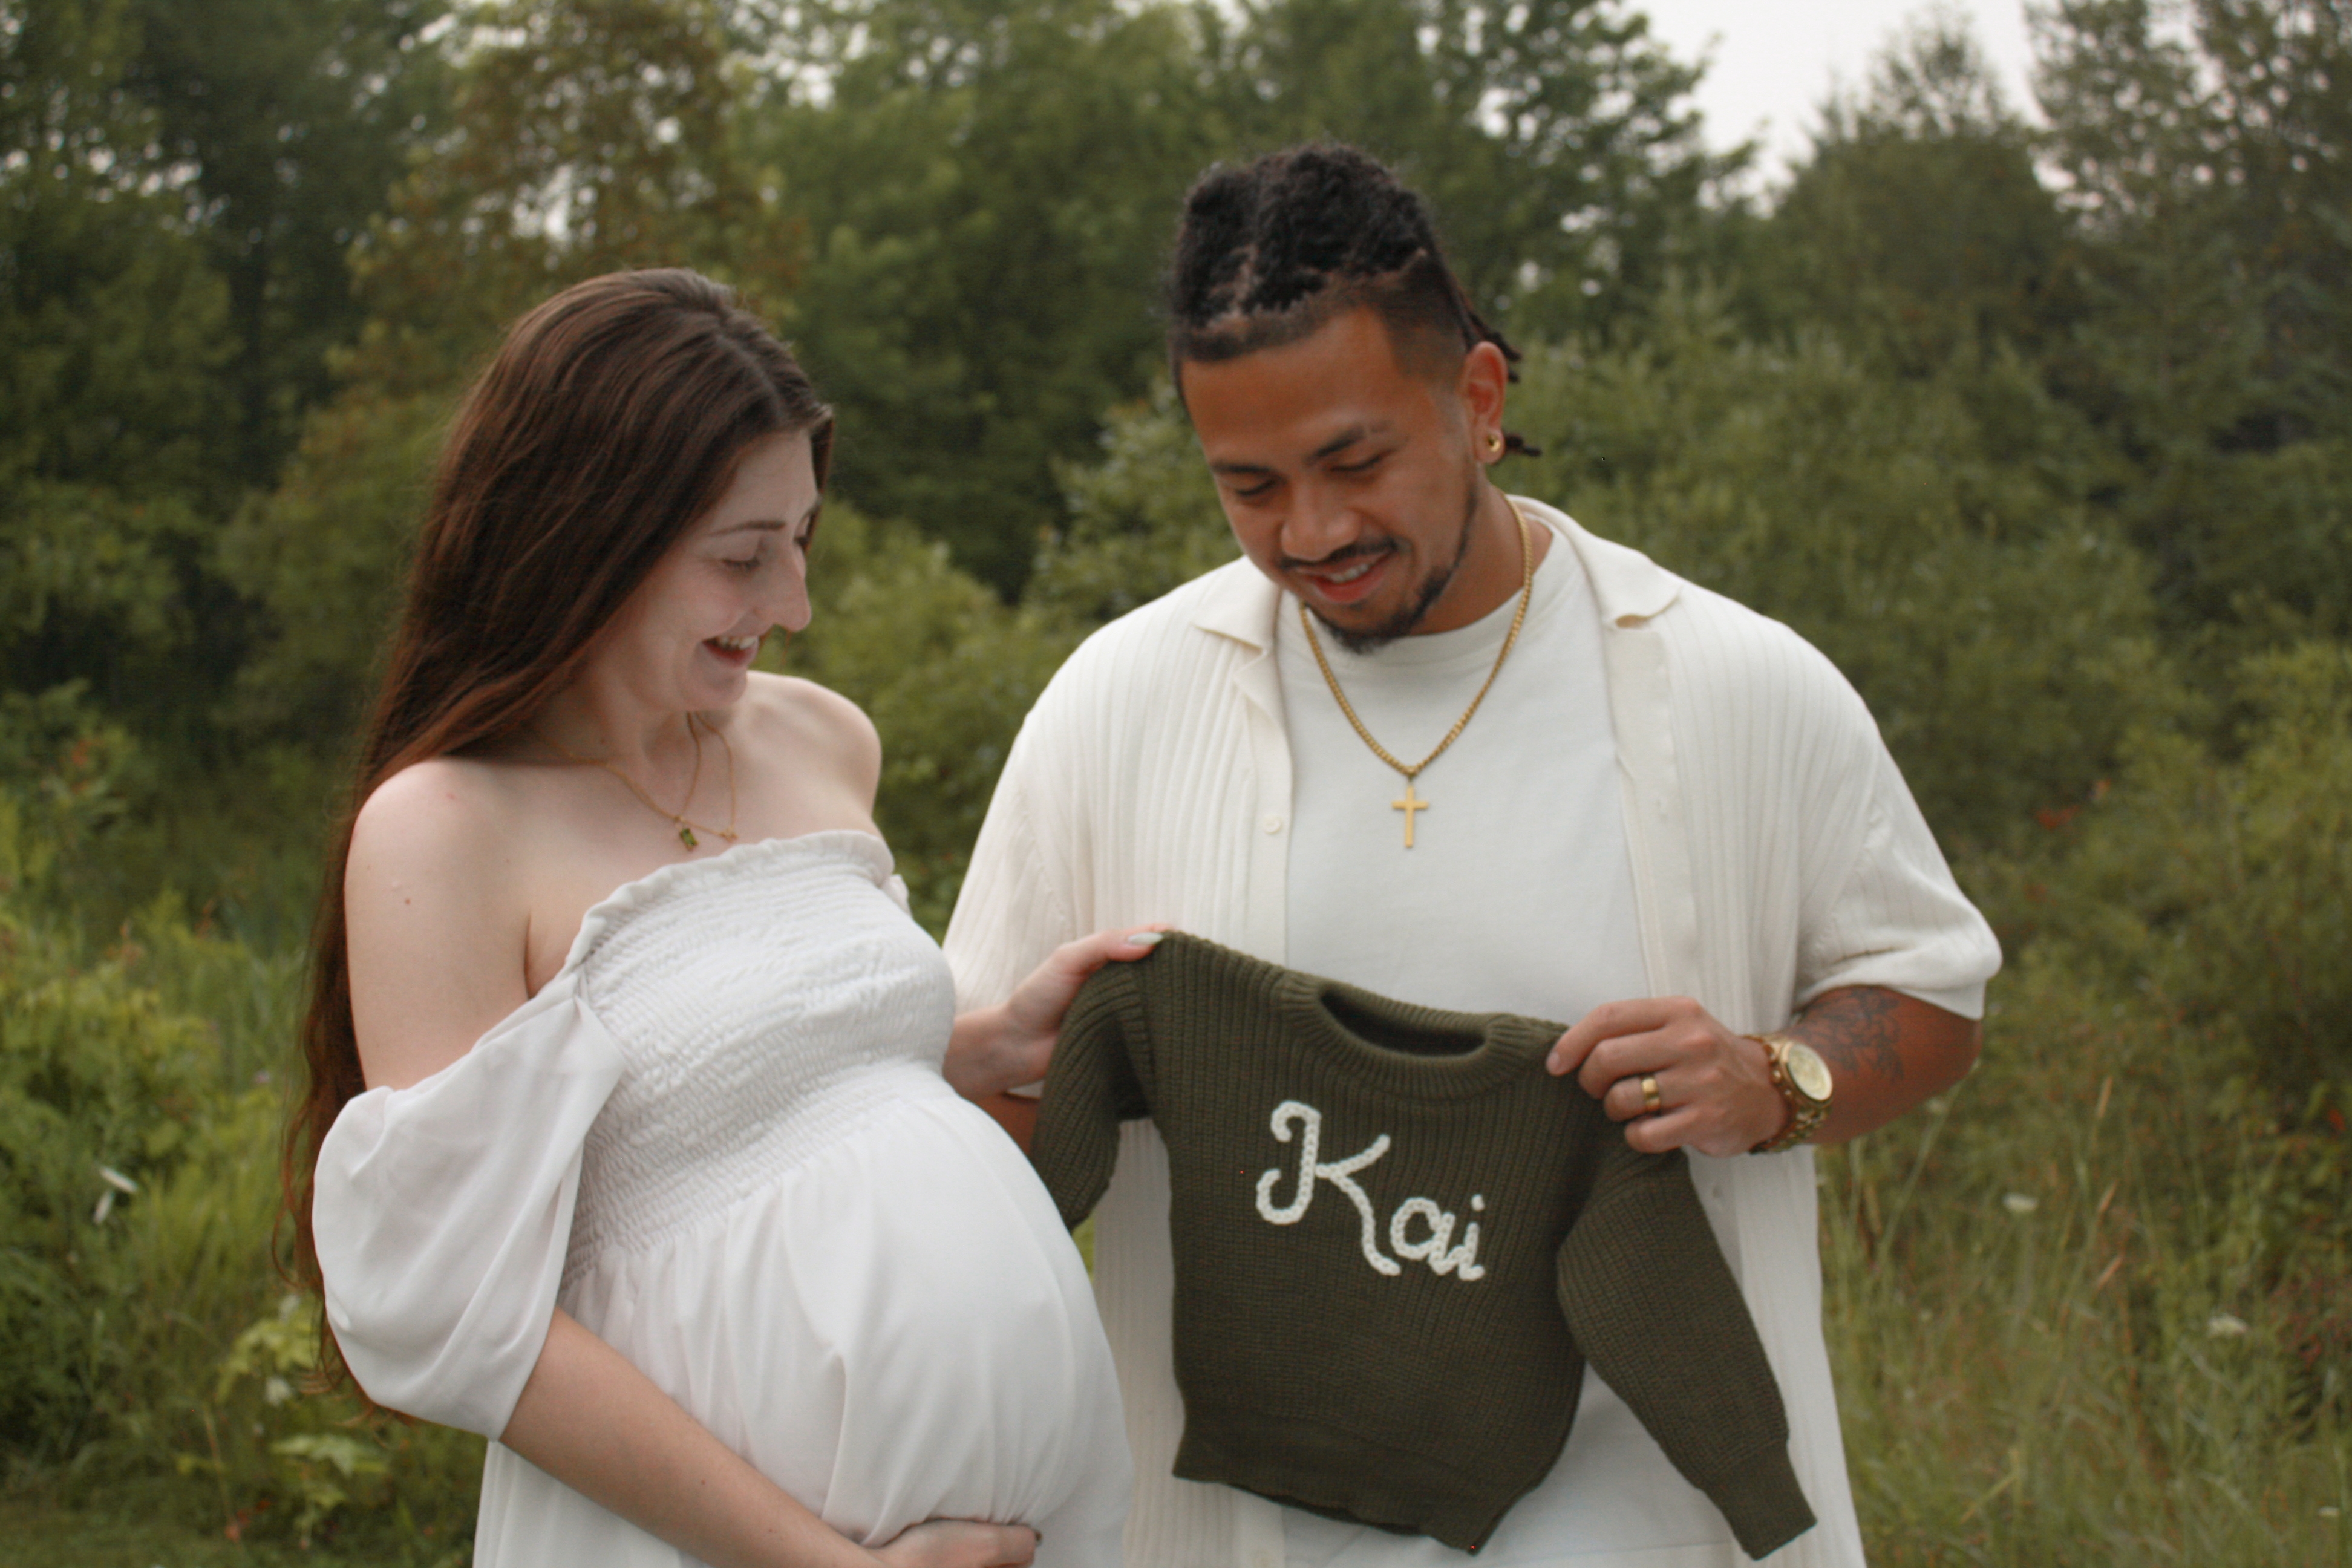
[739, 645]
[1349, 574]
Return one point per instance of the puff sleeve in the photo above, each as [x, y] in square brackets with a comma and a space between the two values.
[443, 1212]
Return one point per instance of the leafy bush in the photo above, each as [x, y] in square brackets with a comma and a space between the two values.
[2221, 888]
[142, 1341]
[99, 1087]
[285, 1459]
[942, 666]
[1143, 519]
[1930, 536]
[323, 557]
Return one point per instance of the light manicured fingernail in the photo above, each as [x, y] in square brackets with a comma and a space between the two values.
[1145, 939]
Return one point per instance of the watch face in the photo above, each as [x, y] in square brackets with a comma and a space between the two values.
[1807, 1072]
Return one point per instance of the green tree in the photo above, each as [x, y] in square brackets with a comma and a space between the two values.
[986, 189]
[2211, 175]
[110, 326]
[1933, 536]
[113, 334]
[176, 186]
[585, 137]
[1556, 138]
[294, 118]
[1918, 226]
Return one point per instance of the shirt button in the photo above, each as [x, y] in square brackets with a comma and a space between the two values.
[1271, 824]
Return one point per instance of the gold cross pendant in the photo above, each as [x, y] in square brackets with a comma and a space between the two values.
[1408, 804]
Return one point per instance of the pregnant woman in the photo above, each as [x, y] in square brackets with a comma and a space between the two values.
[626, 1141]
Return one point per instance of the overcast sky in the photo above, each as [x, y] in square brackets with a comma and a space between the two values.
[1772, 61]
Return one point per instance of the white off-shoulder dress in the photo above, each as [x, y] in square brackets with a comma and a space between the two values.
[719, 1138]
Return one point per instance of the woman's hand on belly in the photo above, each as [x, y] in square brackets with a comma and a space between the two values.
[961, 1543]
[592, 1421]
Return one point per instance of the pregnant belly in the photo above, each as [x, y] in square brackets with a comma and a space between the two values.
[897, 1330]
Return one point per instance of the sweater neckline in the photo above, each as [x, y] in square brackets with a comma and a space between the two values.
[1474, 1052]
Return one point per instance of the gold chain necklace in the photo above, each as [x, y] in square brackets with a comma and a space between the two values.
[1412, 804]
[685, 826]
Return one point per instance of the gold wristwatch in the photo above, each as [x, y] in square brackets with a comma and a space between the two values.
[1803, 1080]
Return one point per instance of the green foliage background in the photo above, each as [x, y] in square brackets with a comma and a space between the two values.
[2043, 431]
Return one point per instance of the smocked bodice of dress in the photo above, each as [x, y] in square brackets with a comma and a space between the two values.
[764, 1001]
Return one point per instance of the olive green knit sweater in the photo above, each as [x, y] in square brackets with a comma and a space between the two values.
[1398, 1240]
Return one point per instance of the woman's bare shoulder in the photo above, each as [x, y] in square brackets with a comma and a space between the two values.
[435, 809]
[435, 917]
[810, 723]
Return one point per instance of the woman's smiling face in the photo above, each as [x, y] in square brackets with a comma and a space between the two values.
[687, 636]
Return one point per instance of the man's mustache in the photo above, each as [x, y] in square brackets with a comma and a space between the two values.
[1341, 556]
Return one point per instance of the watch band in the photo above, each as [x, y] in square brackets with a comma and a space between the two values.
[1805, 1113]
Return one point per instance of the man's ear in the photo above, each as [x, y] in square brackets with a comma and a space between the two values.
[1481, 384]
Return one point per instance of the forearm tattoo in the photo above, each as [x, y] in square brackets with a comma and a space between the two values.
[1856, 1031]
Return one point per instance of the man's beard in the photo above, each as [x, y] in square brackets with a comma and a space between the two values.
[1371, 639]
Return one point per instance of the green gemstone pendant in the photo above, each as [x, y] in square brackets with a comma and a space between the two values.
[686, 835]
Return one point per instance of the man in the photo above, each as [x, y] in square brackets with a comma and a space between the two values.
[1445, 744]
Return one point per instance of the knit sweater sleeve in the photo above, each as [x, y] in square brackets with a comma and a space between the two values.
[1099, 1078]
[1644, 1288]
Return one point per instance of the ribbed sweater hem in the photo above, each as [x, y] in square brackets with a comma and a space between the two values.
[1399, 1490]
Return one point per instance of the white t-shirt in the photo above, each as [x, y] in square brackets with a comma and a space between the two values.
[1516, 896]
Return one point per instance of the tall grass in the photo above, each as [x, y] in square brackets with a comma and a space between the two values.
[2090, 1308]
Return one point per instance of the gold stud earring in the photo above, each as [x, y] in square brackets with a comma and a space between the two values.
[1494, 444]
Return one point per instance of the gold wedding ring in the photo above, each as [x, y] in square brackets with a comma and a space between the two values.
[1651, 1103]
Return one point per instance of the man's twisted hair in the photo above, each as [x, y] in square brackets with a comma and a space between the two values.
[1270, 250]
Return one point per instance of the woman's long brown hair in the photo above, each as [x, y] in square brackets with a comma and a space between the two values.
[611, 418]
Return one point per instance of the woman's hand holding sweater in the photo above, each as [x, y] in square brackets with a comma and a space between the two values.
[1006, 1046]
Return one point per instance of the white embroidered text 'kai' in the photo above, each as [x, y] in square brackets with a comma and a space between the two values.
[1462, 1261]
